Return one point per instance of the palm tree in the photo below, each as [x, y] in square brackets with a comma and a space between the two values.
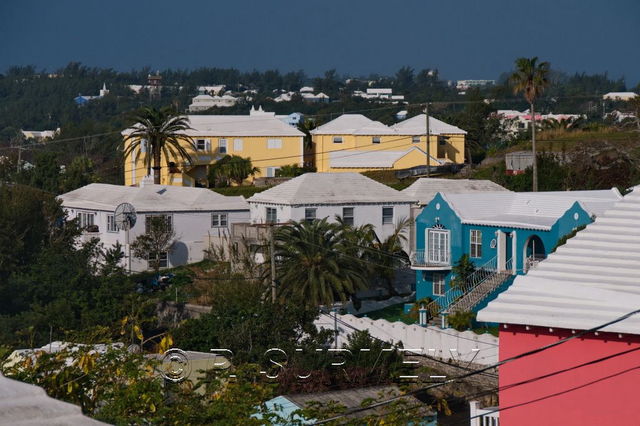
[161, 131]
[232, 168]
[530, 78]
[313, 264]
[388, 255]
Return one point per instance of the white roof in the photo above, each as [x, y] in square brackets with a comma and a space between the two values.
[424, 189]
[150, 198]
[330, 188]
[367, 159]
[590, 280]
[353, 124]
[237, 125]
[25, 404]
[528, 210]
[417, 126]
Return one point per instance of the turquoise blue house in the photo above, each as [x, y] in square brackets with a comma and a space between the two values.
[503, 233]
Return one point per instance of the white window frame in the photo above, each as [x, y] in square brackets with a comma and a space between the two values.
[415, 139]
[386, 220]
[337, 139]
[222, 146]
[271, 171]
[219, 220]
[349, 219]
[438, 246]
[271, 215]
[111, 224]
[164, 260]
[274, 143]
[85, 219]
[147, 219]
[475, 243]
[200, 147]
[375, 139]
[310, 214]
[438, 286]
[237, 145]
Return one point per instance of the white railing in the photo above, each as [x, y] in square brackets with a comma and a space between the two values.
[427, 258]
[487, 416]
[483, 272]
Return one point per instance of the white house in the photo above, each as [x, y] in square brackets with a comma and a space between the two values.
[204, 102]
[200, 217]
[619, 96]
[352, 196]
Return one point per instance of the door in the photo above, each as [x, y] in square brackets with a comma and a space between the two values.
[438, 246]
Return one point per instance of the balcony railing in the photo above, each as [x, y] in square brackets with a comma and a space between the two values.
[431, 259]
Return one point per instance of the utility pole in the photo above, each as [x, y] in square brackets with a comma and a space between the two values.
[426, 112]
[273, 263]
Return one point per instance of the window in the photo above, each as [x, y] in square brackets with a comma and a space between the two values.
[143, 145]
[164, 260]
[476, 243]
[147, 221]
[274, 143]
[222, 146]
[85, 219]
[201, 144]
[271, 171]
[219, 220]
[237, 145]
[347, 216]
[375, 139]
[337, 139]
[309, 215]
[415, 139]
[387, 215]
[438, 284]
[438, 246]
[272, 215]
[111, 223]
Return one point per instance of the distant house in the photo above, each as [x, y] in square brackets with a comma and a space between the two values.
[203, 102]
[588, 282]
[84, 99]
[355, 143]
[211, 90]
[503, 233]
[357, 199]
[462, 85]
[293, 119]
[40, 135]
[619, 96]
[513, 122]
[378, 94]
[200, 217]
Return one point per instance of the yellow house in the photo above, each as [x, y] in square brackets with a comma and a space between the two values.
[266, 140]
[355, 143]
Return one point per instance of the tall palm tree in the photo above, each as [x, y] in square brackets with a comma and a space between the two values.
[531, 78]
[163, 130]
[313, 264]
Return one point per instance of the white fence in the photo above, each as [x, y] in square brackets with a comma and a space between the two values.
[446, 344]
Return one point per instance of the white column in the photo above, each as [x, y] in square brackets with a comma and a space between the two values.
[514, 252]
[501, 239]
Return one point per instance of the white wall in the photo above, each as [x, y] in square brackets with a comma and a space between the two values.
[446, 344]
[363, 214]
[194, 233]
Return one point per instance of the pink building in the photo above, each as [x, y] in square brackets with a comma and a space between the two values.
[591, 280]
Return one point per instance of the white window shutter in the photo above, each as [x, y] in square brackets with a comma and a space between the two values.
[207, 145]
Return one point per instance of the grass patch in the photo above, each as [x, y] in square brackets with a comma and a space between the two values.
[390, 313]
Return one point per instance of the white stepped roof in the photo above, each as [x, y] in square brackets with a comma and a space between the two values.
[528, 210]
[353, 124]
[424, 189]
[418, 126]
[592, 279]
[25, 404]
[237, 125]
[330, 188]
[150, 198]
[367, 159]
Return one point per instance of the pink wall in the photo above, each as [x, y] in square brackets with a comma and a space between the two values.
[605, 393]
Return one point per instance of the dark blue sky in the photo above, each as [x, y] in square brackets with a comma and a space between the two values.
[462, 38]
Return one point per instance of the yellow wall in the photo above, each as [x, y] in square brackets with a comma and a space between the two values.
[323, 145]
[254, 147]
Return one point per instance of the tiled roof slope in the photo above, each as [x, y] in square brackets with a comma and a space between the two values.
[153, 198]
[367, 159]
[530, 210]
[424, 189]
[418, 126]
[330, 188]
[592, 279]
[353, 124]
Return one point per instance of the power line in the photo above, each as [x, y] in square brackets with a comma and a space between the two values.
[481, 370]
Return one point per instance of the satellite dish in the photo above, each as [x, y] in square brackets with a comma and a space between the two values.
[125, 216]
